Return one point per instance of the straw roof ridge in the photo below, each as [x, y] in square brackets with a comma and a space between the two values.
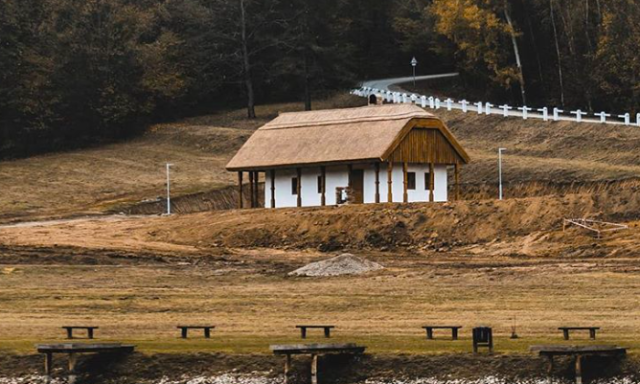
[346, 116]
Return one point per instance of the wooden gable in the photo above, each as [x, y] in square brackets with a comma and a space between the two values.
[425, 145]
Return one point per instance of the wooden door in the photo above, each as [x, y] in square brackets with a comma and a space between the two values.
[356, 184]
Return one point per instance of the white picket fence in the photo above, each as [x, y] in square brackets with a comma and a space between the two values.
[481, 108]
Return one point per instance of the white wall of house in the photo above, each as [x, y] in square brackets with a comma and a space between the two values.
[339, 177]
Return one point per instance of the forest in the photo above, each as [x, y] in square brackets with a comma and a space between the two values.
[76, 73]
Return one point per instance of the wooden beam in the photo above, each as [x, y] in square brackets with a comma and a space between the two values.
[273, 188]
[405, 182]
[456, 171]
[377, 182]
[287, 368]
[432, 178]
[390, 181]
[239, 189]
[314, 369]
[48, 363]
[349, 170]
[323, 187]
[256, 190]
[251, 194]
[299, 186]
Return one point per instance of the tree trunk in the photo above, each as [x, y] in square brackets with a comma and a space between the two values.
[516, 52]
[251, 110]
[307, 88]
[555, 36]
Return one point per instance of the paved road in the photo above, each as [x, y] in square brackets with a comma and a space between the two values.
[391, 84]
[384, 84]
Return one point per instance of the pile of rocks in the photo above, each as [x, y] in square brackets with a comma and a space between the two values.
[345, 264]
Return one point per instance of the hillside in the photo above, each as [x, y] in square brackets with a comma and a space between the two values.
[108, 178]
[541, 157]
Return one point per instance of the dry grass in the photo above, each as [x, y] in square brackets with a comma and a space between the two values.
[99, 179]
[248, 296]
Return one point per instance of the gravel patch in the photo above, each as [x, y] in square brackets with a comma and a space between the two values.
[345, 264]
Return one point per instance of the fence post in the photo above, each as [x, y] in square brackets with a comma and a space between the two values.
[578, 114]
[464, 104]
[437, 103]
[556, 111]
[525, 111]
[413, 98]
[505, 110]
[449, 101]
[638, 119]
[487, 108]
[423, 101]
[479, 107]
[603, 116]
[431, 102]
[545, 113]
[626, 117]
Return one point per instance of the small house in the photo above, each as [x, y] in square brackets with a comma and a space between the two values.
[378, 153]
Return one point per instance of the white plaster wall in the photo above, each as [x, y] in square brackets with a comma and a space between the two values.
[339, 177]
[441, 181]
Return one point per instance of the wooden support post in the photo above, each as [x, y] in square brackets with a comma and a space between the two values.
[256, 189]
[314, 369]
[239, 189]
[405, 182]
[432, 178]
[377, 182]
[578, 369]
[48, 363]
[390, 181]
[252, 202]
[323, 187]
[456, 171]
[550, 365]
[73, 359]
[349, 171]
[287, 368]
[273, 188]
[299, 186]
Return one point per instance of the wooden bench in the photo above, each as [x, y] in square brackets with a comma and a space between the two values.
[70, 329]
[327, 329]
[185, 328]
[454, 330]
[592, 331]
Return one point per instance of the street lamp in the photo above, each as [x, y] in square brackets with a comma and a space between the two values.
[414, 63]
[168, 189]
[500, 170]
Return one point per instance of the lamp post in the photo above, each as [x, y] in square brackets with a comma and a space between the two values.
[414, 63]
[500, 170]
[168, 189]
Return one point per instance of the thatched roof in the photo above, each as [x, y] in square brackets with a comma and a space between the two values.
[330, 136]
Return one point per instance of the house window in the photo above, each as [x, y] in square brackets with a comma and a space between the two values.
[319, 184]
[294, 185]
[411, 180]
[427, 181]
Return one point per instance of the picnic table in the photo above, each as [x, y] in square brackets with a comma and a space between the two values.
[327, 329]
[454, 330]
[592, 331]
[185, 328]
[70, 328]
[314, 350]
[578, 352]
[73, 349]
